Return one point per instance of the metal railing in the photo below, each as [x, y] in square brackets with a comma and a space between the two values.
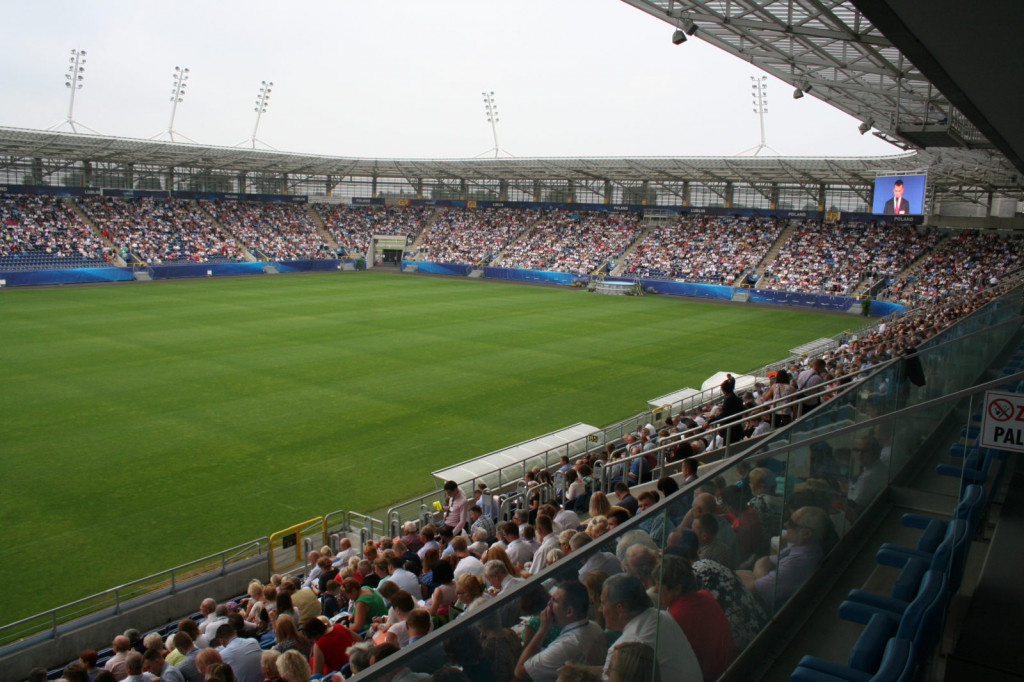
[113, 600]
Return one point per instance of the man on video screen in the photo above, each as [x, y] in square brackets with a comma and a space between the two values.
[897, 205]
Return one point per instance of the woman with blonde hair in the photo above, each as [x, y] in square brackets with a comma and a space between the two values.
[293, 667]
[633, 661]
[597, 526]
[599, 505]
[469, 593]
[288, 637]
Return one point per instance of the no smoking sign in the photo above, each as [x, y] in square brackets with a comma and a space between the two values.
[1003, 423]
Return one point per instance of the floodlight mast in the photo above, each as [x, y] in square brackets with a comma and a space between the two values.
[759, 90]
[177, 95]
[180, 82]
[73, 81]
[491, 108]
[262, 98]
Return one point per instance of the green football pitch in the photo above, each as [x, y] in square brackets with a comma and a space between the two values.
[148, 425]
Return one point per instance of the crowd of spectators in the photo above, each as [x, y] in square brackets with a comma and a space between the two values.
[41, 225]
[160, 230]
[968, 261]
[572, 241]
[353, 226]
[833, 258]
[277, 230]
[683, 591]
[704, 249]
[473, 236]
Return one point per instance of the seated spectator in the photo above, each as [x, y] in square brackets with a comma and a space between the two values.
[365, 604]
[241, 653]
[706, 527]
[627, 609]
[292, 667]
[330, 645]
[634, 661]
[287, 637]
[873, 476]
[776, 578]
[699, 615]
[580, 640]
[444, 595]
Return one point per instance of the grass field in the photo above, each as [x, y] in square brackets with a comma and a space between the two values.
[148, 425]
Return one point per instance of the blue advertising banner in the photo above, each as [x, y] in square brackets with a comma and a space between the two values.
[65, 276]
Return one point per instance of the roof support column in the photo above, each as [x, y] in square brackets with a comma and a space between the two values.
[243, 182]
[419, 188]
[169, 179]
[537, 187]
[571, 192]
[773, 196]
[607, 191]
[645, 190]
[502, 190]
[87, 173]
[373, 187]
[463, 189]
[129, 175]
[821, 197]
[686, 193]
[728, 194]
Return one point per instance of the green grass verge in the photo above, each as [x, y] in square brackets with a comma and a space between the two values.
[148, 425]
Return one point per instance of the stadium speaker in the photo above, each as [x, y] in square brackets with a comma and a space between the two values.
[679, 37]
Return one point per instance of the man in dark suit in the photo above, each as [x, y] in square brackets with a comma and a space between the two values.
[897, 205]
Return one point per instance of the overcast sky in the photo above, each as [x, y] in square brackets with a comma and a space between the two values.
[404, 79]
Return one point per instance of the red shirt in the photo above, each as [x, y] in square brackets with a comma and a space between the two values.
[334, 643]
[707, 630]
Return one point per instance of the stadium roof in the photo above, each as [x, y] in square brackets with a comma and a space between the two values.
[960, 175]
[932, 75]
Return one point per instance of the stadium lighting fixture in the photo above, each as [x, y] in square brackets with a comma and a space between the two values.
[866, 126]
[491, 109]
[262, 98]
[759, 91]
[177, 95]
[178, 85]
[801, 88]
[684, 28]
[73, 81]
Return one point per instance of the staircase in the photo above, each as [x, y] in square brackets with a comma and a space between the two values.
[419, 238]
[776, 247]
[96, 231]
[213, 219]
[632, 247]
[522, 233]
[321, 227]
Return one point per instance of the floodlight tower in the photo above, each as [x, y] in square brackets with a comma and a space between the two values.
[759, 91]
[491, 108]
[180, 82]
[262, 98]
[73, 81]
[177, 95]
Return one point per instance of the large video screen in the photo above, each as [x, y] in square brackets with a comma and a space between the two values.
[899, 195]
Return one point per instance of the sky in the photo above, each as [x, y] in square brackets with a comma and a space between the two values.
[403, 79]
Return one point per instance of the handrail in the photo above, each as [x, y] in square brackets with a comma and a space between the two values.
[224, 557]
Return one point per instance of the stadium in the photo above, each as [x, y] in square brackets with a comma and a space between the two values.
[197, 330]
